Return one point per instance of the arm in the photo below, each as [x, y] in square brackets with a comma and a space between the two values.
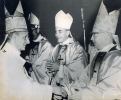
[40, 64]
[107, 88]
[76, 64]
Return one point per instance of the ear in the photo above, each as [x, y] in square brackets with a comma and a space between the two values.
[14, 37]
[106, 36]
[68, 32]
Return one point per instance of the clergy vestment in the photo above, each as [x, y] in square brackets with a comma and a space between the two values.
[38, 57]
[74, 64]
[101, 83]
[15, 84]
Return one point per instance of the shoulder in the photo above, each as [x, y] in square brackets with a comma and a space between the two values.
[48, 45]
[113, 55]
[76, 46]
[5, 57]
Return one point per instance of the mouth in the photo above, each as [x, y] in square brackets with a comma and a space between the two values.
[34, 38]
[24, 46]
[92, 43]
[58, 38]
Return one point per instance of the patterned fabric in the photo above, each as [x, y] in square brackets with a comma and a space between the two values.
[15, 22]
[62, 56]
[38, 57]
[96, 67]
[106, 22]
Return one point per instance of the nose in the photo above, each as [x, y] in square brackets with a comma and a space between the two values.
[92, 38]
[56, 33]
[27, 41]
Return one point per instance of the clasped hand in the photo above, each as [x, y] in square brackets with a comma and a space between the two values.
[52, 66]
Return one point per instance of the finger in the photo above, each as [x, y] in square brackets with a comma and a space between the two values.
[49, 68]
[66, 89]
[48, 64]
[64, 93]
[75, 96]
[50, 71]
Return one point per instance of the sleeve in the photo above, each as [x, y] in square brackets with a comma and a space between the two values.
[82, 81]
[77, 63]
[84, 78]
[17, 85]
[40, 64]
[41, 92]
[106, 89]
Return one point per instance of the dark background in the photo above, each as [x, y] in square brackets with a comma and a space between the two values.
[46, 10]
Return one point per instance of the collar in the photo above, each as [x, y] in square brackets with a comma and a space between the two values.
[9, 48]
[107, 48]
[39, 38]
[15, 53]
[67, 42]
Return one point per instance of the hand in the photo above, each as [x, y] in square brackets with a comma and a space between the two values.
[76, 96]
[52, 66]
[116, 39]
[56, 90]
[64, 93]
[59, 91]
[70, 89]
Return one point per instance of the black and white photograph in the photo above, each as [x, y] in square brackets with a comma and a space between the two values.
[60, 50]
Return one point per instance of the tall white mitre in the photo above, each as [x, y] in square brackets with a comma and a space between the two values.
[63, 20]
[15, 22]
[34, 20]
[106, 22]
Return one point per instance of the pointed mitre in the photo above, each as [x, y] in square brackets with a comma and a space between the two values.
[33, 19]
[106, 22]
[6, 11]
[15, 22]
[63, 20]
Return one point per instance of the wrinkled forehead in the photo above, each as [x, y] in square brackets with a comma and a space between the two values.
[95, 33]
[60, 28]
[23, 33]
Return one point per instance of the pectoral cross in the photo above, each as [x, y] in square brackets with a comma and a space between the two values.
[60, 58]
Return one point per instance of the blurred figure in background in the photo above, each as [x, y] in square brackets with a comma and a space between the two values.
[39, 54]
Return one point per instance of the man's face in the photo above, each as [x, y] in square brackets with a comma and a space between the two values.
[35, 34]
[61, 34]
[98, 40]
[22, 39]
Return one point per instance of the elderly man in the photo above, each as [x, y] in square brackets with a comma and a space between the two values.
[68, 59]
[39, 54]
[14, 81]
[100, 79]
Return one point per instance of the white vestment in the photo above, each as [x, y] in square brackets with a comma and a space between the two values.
[38, 57]
[15, 84]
